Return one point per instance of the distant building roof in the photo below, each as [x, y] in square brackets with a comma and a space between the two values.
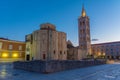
[6, 39]
[107, 43]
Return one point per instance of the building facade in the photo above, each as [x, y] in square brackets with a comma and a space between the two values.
[11, 50]
[84, 34]
[110, 50]
[46, 44]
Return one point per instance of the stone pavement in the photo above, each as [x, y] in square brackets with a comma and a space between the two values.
[101, 72]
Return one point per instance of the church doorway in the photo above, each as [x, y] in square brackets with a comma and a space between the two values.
[112, 57]
[117, 57]
[108, 57]
[27, 57]
[44, 56]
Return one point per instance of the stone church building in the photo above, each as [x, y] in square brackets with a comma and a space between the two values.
[49, 44]
[46, 44]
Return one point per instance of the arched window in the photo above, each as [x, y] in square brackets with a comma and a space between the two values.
[60, 52]
[83, 30]
[83, 22]
[54, 52]
[80, 23]
[64, 52]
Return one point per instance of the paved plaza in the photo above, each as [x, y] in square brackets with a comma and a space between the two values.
[101, 72]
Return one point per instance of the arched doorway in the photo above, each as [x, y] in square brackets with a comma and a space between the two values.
[117, 57]
[27, 57]
[112, 57]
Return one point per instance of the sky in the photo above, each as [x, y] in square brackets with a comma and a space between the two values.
[21, 17]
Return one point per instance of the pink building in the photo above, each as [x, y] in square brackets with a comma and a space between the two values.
[110, 50]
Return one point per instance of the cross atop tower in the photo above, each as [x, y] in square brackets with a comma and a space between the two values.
[83, 14]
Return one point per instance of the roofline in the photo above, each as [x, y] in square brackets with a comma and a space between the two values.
[106, 43]
[22, 42]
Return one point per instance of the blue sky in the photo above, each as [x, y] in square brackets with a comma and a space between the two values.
[21, 17]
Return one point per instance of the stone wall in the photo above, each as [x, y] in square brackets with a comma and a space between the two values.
[54, 66]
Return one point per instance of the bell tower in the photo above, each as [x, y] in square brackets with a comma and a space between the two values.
[84, 33]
